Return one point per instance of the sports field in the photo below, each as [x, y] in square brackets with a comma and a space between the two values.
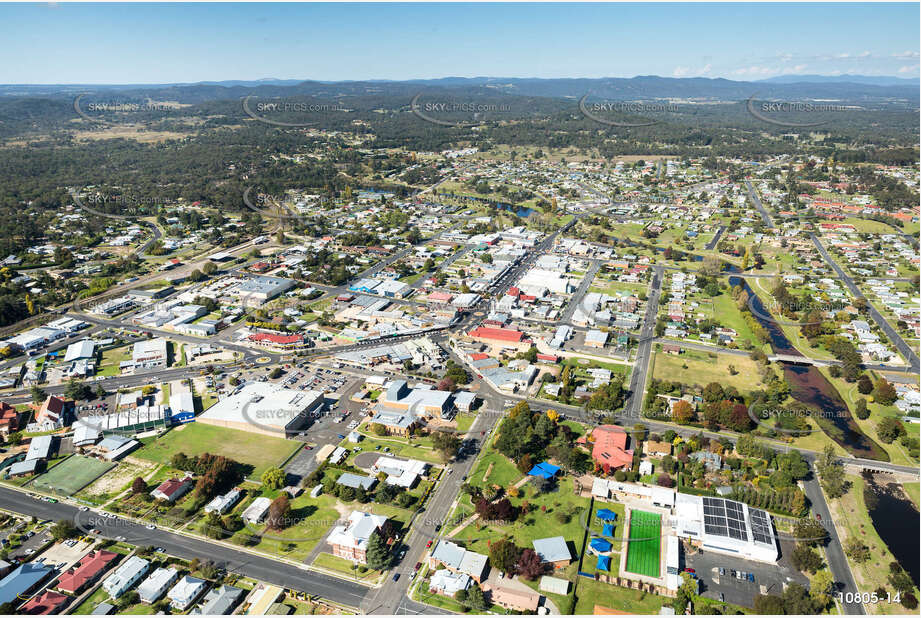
[255, 450]
[645, 543]
[71, 475]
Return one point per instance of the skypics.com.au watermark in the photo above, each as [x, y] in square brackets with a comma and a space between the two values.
[111, 112]
[804, 307]
[287, 112]
[458, 113]
[795, 421]
[794, 114]
[624, 113]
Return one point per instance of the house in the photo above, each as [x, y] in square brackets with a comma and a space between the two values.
[76, 579]
[712, 461]
[515, 599]
[350, 541]
[554, 550]
[220, 504]
[9, 419]
[458, 560]
[48, 602]
[183, 594]
[221, 601]
[609, 447]
[125, 576]
[672, 349]
[257, 510]
[41, 447]
[50, 416]
[401, 472]
[157, 583]
[355, 481]
[172, 489]
[448, 582]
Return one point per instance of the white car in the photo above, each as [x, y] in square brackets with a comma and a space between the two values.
[150, 527]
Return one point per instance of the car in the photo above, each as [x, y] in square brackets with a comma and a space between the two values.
[818, 517]
[751, 577]
[340, 436]
[690, 570]
[396, 576]
[429, 544]
[722, 571]
[150, 527]
[418, 566]
[722, 597]
[437, 527]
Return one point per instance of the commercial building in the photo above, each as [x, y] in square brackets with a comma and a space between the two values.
[23, 580]
[149, 354]
[265, 408]
[256, 291]
[726, 527]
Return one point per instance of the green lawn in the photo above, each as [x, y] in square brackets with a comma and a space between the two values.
[645, 543]
[591, 593]
[503, 472]
[913, 489]
[312, 518]
[851, 517]
[726, 312]
[86, 608]
[259, 451]
[71, 475]
[109, 364]
[701, 368]
[341, 565]
[399, 447]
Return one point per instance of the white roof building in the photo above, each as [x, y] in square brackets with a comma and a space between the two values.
[726, 526]
[256, 511]
[401, 472]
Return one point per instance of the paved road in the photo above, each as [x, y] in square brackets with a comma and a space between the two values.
[716, 238]
[757, 202]
[634, 403]
[837, 561]
[576, 299]
[907, 352]
[262, 568]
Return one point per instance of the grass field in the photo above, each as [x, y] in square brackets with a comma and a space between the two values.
[71, 475]
[702, 368]
[645, 541]
[259, 451]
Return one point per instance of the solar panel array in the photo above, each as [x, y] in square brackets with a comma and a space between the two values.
[724, 518]
[761, 526]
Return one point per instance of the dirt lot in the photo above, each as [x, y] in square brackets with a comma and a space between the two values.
[118, 477]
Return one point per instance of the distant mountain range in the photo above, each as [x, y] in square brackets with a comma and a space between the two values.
[873, 80]
[852, 88]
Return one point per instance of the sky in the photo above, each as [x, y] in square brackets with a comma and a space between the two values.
[63, 43]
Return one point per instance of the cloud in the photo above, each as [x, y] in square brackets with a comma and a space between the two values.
[764, 71]
[906, 54]
[913, 68]
[681, 71]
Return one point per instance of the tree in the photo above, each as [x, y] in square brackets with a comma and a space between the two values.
[446, 443]
[810, 532]
[273, 478]
[864, 385]
[713, 392]
[885, 393]
[805, 558]
[664, 480]
[476, 600]
[856, 550]
[63, 529]
[831, 473]
[279, 512]
[682, 412]
[861, 410]
[378, 554]
[138, 486]
[378, 429]
[77, 390]
[503, 554]
[889, 429]
[38, 394]
[529, 565]
[821, 586]
[209, 268]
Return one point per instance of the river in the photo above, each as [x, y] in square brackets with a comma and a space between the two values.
[809, 386]
[895, 519]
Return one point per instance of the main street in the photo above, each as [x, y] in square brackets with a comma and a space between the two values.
[253, 565]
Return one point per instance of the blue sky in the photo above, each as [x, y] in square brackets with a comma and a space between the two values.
[157, 43]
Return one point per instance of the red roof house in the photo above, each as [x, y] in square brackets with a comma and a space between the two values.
[86, 572]
[9, 418]
[49, 602]
[172, 489]
[609, 447]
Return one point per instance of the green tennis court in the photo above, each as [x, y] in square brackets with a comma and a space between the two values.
[71, 475]
[645, 543]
